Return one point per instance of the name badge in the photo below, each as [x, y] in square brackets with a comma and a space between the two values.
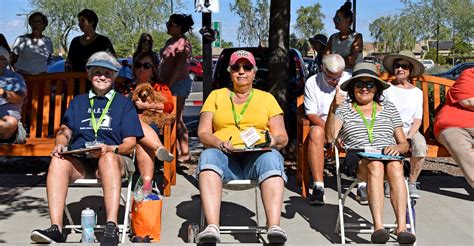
[93, 144]
[372, 150]
[250, 136]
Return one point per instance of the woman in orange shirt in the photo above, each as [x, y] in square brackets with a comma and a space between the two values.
[150, 145]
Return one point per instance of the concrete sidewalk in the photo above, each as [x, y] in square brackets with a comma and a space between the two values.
[444, 214]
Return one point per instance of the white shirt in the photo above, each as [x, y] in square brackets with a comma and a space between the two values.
[409, 103]
[318, 94]
[33, 54]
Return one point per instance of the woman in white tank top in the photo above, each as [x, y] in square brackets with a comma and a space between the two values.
[346, 42]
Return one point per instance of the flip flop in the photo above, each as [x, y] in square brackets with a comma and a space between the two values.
[183, 158]
[276, 234]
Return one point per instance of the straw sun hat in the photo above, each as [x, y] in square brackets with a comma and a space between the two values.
[417, 68]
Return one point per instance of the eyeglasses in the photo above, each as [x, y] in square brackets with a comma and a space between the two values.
[403, 66]
[236, 67]
[329, 79]
[145, 65]
[337, 19]
[364, 84]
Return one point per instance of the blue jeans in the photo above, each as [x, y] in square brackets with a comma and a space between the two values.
[251, 165]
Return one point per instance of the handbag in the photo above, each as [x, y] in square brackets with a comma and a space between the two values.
[146, 217]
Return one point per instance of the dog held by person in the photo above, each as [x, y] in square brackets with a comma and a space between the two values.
[146, 93]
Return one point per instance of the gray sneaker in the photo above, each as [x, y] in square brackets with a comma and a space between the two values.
[362, 195]
[412, 188]
[386, 189]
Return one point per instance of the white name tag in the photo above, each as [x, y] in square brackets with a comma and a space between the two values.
[250, 136]
[372, 150]
[93, 144]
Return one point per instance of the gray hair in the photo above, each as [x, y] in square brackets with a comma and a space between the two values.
[5, 53]
[334, 63]
[103, 57]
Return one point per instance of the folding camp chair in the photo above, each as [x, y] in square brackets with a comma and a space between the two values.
[236, 185]
[360, 227]
[126, 199]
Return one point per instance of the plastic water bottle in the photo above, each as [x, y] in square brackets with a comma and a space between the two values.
[88, 224]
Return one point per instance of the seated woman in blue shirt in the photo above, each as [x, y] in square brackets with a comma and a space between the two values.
[100, 118]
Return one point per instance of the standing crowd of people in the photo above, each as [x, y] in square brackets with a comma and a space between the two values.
[346, 103]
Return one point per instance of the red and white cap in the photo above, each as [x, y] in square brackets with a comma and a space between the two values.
[242, 54]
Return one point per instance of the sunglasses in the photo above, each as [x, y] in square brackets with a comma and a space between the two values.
[364, 84]
[236, 67]
[403, 66]
[145, 65]
[336, 19]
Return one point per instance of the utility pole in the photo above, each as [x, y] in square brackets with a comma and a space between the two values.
[206, 55]
[171, 7]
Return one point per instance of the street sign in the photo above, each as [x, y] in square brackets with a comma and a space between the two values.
[217, 25]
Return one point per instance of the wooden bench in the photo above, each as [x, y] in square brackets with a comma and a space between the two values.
[434, 90]
[48, 97]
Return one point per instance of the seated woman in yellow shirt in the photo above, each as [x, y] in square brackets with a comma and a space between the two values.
[238, 118]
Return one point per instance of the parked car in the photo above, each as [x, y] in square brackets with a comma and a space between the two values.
[125, 71]
[295, 83]
[310, 66]
[428, 63]
[375, 60]
[195, 70]
[455, 71]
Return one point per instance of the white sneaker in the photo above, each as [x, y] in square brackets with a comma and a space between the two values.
[163, 155]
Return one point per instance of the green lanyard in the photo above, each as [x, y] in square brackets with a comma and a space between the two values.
[370, 128]
[96, 125]
[237, 118]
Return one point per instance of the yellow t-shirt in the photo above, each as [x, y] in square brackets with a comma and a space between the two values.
[260, 109]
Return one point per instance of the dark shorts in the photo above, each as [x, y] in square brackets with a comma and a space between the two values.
[351, 162]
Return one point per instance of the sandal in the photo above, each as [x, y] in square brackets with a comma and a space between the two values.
[276, 234]
[380, 236]
[406, 237]
[163, 155]
[209, 235]
[183, 158]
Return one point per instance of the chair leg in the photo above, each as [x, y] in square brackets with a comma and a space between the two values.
[410, 210]
[126, 214]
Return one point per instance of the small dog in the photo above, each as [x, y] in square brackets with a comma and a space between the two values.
[145, 93]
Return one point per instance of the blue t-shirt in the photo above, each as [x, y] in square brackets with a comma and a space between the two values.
[11, 81]
[121, 120]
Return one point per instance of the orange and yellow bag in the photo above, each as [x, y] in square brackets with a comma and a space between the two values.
[146, 218]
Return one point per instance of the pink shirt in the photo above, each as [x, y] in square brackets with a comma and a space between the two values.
[168, 59]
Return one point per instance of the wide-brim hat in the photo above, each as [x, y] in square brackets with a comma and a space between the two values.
[417, 67]
[364, 69]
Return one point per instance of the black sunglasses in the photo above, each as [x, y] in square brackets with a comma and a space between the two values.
[364, 84]
[145, 65]
[236, 67]
[403, 66]
[336, 19]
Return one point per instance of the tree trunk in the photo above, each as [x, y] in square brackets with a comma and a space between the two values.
[278, 67]
[279, 37]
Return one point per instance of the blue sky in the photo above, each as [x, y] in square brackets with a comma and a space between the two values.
[367, 11]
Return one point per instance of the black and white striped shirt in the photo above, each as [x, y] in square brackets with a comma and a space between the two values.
[354, 132]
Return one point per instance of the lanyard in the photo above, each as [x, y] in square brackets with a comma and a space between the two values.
[370, 128]
[96, 125]
[237, 118]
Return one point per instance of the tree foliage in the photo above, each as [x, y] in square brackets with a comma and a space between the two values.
[309, 21]
[420, 20]
[254, 21]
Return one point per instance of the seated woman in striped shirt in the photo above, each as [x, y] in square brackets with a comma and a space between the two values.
[367, 122]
